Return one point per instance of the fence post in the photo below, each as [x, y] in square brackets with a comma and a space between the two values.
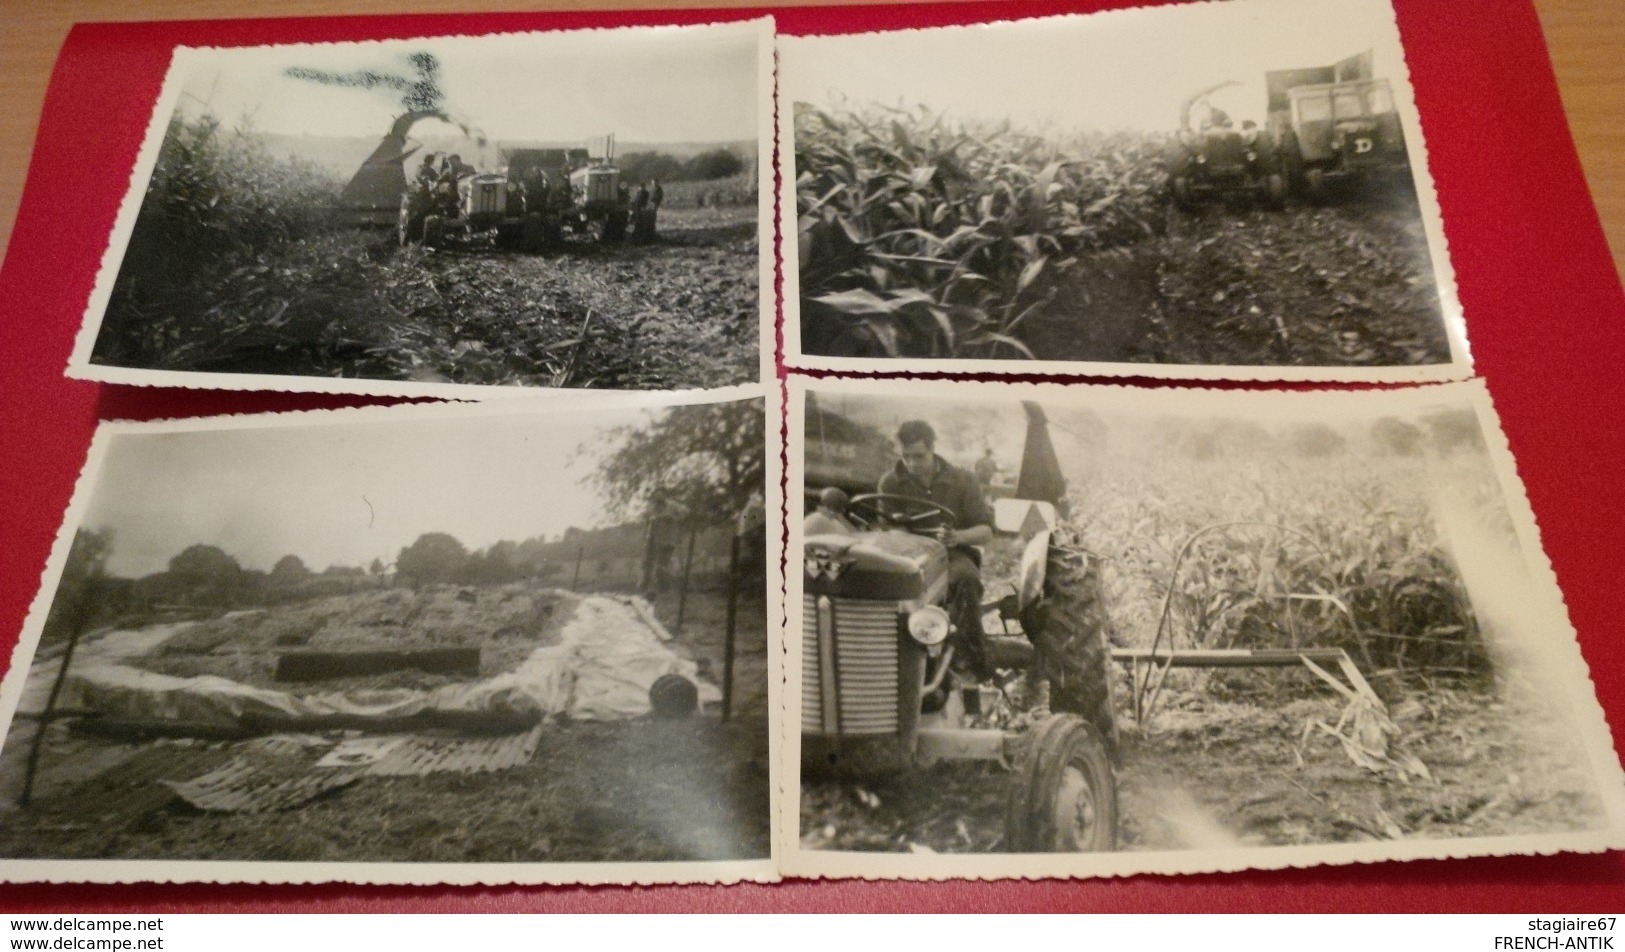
[688, 569]
[81, 621]
[576, 578]
[728, 640]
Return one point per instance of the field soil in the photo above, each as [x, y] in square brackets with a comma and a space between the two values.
[638, 790]
[678, 312]
[1207, 773]
[1348, 284]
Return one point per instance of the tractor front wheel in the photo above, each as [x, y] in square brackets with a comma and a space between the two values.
[1062, 796]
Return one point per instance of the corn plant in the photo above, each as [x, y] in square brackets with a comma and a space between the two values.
[923, 236]
[1223, 553]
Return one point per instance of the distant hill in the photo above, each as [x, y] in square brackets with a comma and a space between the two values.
[342, 155]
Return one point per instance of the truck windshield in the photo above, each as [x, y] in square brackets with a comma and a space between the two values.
[1314, 108]
[1381, 99]
[1348, 104]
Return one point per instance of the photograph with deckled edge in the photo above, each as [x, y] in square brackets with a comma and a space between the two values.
[1200, 190]
[547, 210]
[411, 644]
[1077, 631]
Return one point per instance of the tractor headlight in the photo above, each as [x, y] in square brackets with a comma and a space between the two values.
[929, 625]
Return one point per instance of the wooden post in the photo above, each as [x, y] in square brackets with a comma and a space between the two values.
[576, 578]
[646, 585]
[728, 640]
[80, 623]
[688, 569]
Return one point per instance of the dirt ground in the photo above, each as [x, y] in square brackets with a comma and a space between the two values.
[677, 313]
[1208, 773]
[644, 789]
[1347, 284]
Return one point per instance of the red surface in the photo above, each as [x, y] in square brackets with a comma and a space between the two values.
[1546, 320]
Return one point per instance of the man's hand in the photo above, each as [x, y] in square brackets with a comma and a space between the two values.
[975, 535]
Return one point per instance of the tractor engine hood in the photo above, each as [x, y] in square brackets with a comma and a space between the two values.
[891, 565]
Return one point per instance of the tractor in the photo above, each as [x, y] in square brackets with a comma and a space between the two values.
[461, 208]
[880, 689]
[1218, 161]
[529, 206]
[1336, 124]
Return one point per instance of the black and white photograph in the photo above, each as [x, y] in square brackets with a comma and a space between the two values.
[1074, 631]
[416, 644]
[1197, 190]
[533, 210]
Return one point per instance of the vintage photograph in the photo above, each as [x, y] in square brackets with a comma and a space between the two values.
[496, 643]
[545, 210]
[1195, 190]
[1094, 630]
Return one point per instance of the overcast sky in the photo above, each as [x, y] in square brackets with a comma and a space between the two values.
[1125, 69]
[662, 84]
[346, 494]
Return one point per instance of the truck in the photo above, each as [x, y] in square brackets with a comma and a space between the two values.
[1335, 125]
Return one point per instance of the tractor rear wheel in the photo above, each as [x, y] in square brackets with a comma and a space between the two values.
[1068, 628]
[1314, 183]
[434, 231]
[533, 233]
[1275, 190]
[1182, 192]
[1062, 796]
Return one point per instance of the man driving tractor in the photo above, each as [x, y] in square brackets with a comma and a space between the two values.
[921, 474]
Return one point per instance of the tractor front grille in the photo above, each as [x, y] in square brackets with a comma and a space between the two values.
[849, 659]
[486, 198]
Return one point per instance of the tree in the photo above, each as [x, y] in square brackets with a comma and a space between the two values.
[205, 565]
[1315, 440]
[699, 462]
[1455, 430]
[434, 557]
[376, 568]
[206, 574]
[289, 569]
[715, 164]
[1396, 437]
[642, 166]
[77, 593]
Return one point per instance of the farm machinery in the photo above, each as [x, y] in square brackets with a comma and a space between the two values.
[884, 686]
[1334, 124]
[880, 687]
[1218, 160]
[530, 205]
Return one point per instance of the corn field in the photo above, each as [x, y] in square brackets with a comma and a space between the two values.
[923, 236]
[1288, 550]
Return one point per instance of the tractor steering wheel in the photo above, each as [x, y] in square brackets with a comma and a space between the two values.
[906, 512]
